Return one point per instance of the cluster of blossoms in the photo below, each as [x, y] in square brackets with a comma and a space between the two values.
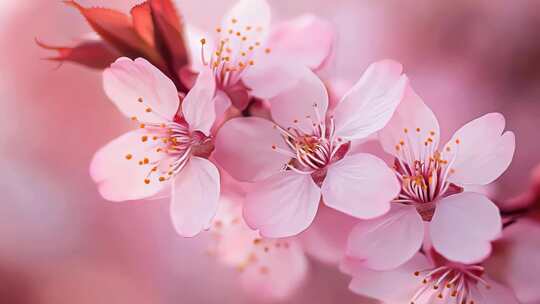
[245, 140]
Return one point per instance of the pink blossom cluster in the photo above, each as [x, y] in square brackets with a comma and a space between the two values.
[255, 150]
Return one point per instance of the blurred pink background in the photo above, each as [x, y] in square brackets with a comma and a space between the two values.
[61, 243]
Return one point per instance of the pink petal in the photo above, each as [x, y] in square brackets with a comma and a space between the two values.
[277, 273]
[198, 107]
[221, 103]
[195, 197]
[136, 86]
[360, 185]
[415, 117]
[388, 241]
[303, 104]
[370, 104]
[326, 238]
[270, 76]
[463, 227]
[484, 151]
[392, 286]
[120, 178]
[194, 36]
[515, 260]
[307, 40]
[496, 294]
[243, 147]
[283, 205]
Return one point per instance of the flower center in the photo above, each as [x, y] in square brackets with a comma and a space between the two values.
[234, 53]
[167, 147]
[311, 151]
[460, 282]
[423, 174]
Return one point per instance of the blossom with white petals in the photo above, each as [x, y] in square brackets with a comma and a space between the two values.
[304, 154]
[432, 206]
[168, 152]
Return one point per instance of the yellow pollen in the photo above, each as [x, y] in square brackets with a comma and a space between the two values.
[243, 54]
[140, 163]
[257, 241]
[406, 130]
[417, 129]
[257, 43]
[154, 169]
[155, 138]
[147, 181]
[448, 149]
[146, 160]
[148, 110]
[401, 142]
[267, 51]
[416, 273]
[161, 178]
[133, 118]
[251, 62]
[129, 156]
[144, 138]
[218, 30]
[251, 48]
[238, 34]
[397, 147]
[432, 133]
[458, 141]
[234, 20]
[142, 126]
[230, 31]
[244, 38]
[203, 41]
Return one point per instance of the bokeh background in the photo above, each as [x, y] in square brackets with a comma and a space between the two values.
[61, 243]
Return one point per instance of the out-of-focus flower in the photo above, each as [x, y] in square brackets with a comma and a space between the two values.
[249, 58]
[271, 269]
[305, 153]
[515, 260]
[153, 31]
[326, 238]
[428, 279]
[168, 153]
[460, 224]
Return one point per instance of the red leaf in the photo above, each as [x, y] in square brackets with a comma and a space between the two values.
[169, 37]
[117, 29]
[142, 22]
[93, 54]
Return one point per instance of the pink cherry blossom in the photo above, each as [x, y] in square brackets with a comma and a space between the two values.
[515, 260]
[303, 155]
[167, 154]
[426, 280]
[432, 206]
[248, 57]
[271, 269]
